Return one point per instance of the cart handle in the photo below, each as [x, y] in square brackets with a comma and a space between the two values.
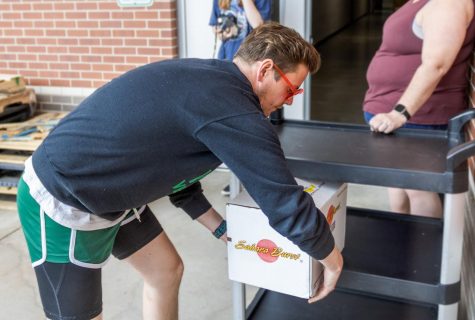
[457, 123]
[459, 154]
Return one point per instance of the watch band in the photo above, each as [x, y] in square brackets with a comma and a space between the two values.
[402, 110]
[220, 230]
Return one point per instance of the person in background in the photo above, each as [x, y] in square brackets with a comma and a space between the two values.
[231, 21]
[153, 132]
[418, 79]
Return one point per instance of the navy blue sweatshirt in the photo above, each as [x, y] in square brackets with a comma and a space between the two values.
[157, 130]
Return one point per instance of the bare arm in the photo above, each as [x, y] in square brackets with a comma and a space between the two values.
[444, 24]
[333, 265]
[252, 14]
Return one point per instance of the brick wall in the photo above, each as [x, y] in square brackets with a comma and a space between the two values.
[81, 44]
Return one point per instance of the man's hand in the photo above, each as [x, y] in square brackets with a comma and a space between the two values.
[387, 122]
[333, 265]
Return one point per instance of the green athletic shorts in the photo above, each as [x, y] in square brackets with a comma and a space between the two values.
[49, 241]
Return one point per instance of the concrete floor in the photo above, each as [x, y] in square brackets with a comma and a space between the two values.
[205, 291]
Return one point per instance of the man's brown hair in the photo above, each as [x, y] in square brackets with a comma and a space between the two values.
[283, 45]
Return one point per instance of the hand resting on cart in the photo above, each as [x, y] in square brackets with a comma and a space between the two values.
[333, 264]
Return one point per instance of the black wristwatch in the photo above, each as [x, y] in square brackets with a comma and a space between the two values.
[402, 110]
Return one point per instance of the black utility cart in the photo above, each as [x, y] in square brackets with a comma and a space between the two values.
[397, 267]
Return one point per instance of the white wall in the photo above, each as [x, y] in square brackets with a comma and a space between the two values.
[196, 37]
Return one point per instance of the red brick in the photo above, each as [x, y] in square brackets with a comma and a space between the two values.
[27, 57]
[123, 33]
[16, 49]
[13, 32]
[25, 40]
[15, 65]
[37, 65]
[146, 15]
[98, 15]
[161, 24]
[79, 49]
[63, 6]
[21, 7]
[148, 51]
[111, 24]
[29, 74]
[89, 42]
[112, 42]
[100, 33]
[69, 58]
[9, 33]
[39, 82]
[81, 83]
[88, 24]
[32, 15]
[86, 6]
[53, 15]
[11, 16]
[36, 49]
[125, 51]
[23, 24]
[55, 33]
[113, 59]
[91, 75]
[134, 24]
[123, 15]
[69, 74]
[136, 60]
[91, 58]
[68, 42]
[102, 67]
[42, 6]
[59, 66]
[167, 15]
[57, 50]
[44, 24]
[48, 57]
[60, 83]
[6, 24]
[48, 74]
[77, 33]
[81, 66]
[148, 33]
[101, 50]
[34, 32]
[46, 41]
[65, 24]
[107, 6]
[135, 42]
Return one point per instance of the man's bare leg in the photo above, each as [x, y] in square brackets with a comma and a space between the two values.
[162, 269]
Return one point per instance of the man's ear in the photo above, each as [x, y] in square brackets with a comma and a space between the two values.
[265, 67]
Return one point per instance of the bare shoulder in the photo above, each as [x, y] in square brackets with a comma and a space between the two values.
[456, 10]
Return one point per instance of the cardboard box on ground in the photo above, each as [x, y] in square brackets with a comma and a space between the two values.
[259, 256]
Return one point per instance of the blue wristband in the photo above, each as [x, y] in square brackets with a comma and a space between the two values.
[220, 230]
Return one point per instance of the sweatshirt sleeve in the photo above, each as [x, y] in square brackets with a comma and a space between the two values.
[191, 200]
[249, 146]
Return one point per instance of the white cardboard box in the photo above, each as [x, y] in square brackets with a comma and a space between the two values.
[259, 256]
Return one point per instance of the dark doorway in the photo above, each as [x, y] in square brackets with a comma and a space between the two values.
[338, 88]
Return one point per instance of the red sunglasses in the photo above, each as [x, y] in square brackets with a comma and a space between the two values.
[293, 90]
